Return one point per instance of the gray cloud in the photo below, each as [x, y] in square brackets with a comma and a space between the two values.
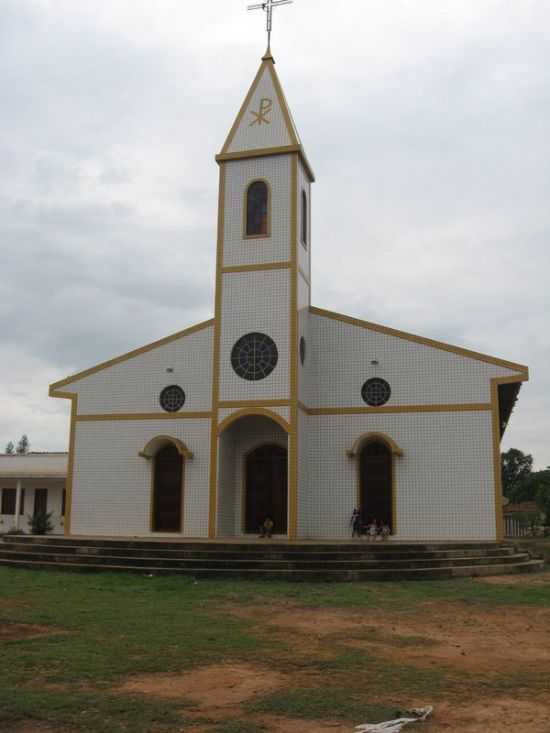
[427, 128]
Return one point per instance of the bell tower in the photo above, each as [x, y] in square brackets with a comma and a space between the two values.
[262, 272]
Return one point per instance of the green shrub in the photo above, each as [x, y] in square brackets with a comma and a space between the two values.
[40, 523]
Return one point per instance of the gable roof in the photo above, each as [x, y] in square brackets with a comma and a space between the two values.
[124, 357]
[441, 345]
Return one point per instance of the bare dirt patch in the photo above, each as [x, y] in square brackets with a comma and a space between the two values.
[466, 636]
[527, 579]
[503, 714]
[34, 726]
[295, 725]
[18, 632]
[210, 687]
[13, 603]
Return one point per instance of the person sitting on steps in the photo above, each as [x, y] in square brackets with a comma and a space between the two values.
[266, 529]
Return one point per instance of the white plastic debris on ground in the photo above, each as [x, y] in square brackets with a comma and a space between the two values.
[394, 726]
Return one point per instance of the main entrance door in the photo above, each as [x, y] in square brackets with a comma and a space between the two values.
[266, 488]
[167, 493]
[376, 484]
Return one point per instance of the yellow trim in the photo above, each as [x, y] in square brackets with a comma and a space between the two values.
[129, 355]
[106, 417]
[283, 265]
[293, 436]
[159, 441]
[388, 442]
[291, 129]
[70, 462]
[465, 407]
[253, 403]
[152, 494]
[497, 471]
[366, 438]
[243, 109]
[245, 209]
[304, 276]
[419, 339]
[246, 411]
[303, 408]
[213, 481]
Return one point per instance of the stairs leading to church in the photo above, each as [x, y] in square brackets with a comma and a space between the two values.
[269, 560]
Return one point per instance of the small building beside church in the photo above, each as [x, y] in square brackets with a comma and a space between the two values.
[276, 407]
[30, 484]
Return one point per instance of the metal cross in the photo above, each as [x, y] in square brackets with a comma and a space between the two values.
[268, 7]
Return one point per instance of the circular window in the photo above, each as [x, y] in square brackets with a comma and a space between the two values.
[302, 349]
[172, 398]
[254, 356]
[376, 392]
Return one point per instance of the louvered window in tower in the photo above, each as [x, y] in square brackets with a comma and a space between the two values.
[257, 209]
[304, 222]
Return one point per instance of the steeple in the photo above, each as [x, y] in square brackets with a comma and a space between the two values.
[264, 124]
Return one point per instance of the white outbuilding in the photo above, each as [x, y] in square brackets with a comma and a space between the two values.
[275, 407]
[30, 484]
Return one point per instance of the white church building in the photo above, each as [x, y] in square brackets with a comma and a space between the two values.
[275, 407]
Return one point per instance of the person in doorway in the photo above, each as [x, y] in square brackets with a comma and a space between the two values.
[372, 530]
[385, 531]
[266, 530]
[355, 523]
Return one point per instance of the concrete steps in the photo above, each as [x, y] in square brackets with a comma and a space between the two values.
[270, 560]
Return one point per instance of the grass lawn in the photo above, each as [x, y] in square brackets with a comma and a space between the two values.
[106, 652]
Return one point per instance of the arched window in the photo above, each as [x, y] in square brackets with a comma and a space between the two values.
[257, 209]
[303, 227]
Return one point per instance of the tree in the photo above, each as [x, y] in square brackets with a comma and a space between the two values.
[516, 470]
[10, 448]
[23, 445]
[541, 484]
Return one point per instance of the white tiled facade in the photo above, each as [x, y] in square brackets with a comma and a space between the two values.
[439, 415]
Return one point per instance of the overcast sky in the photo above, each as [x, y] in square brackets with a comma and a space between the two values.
[427, 125]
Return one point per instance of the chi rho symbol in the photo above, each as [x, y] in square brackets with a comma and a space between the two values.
[260, 117]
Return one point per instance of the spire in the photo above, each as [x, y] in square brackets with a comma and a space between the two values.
[264, 124]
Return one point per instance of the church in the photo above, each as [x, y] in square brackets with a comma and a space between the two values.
[277, 407]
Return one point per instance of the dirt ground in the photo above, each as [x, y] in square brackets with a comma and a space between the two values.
[472, 639]
[14, 631]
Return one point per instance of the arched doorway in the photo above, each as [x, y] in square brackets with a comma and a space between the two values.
[167, 489]
[266, 488]
[376, 466]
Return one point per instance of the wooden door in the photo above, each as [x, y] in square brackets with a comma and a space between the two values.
[40, 501]
[167, 494]
[376, 484]
[266, 488]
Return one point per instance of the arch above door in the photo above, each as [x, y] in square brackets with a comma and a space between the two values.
[366, 438]
[158, 442]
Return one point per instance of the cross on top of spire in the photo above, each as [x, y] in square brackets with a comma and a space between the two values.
[268, 6]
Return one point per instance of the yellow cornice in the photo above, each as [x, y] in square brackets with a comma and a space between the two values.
[264, 152]
[106, 417]
[391, 409]
[124, 357]
[283, 265]
[422, 340]
[230, 404]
